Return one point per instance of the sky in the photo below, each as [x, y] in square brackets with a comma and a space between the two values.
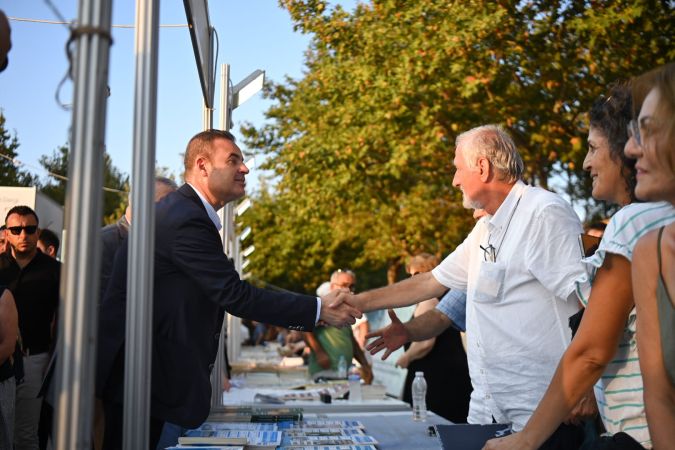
[253, 34]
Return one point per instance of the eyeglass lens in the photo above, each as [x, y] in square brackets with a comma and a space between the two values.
[634, 131]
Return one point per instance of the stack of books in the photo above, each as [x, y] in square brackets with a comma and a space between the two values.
[284, 435]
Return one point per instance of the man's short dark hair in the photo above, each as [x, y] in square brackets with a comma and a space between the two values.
[22, 210]
[49, 238]
[201, 144]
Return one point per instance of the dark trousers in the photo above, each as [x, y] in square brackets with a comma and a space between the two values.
[619, 441]
[45, 425]
[112, 437]
[566, 437]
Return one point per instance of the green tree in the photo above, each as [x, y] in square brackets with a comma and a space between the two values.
[361, 147]
[115, 183]
[10, 174]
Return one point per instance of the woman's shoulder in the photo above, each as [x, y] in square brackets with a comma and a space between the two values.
[643, 212]
[645, 261]
[637, 219]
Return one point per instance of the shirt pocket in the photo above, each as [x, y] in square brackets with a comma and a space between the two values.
[490, 281]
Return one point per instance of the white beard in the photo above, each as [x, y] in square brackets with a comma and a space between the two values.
[470, 203]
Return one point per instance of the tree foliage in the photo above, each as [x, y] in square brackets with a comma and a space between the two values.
[10, 174]
[115, 183]
[361, 147]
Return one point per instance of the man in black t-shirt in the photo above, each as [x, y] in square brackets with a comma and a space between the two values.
[33, 278]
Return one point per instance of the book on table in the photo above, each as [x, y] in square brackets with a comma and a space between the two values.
[469, 436]
[207, 447]
[327, 441]
[331, 447]
[251, 439]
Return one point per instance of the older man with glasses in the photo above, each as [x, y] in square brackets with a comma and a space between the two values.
[518, 267]
[33, 278]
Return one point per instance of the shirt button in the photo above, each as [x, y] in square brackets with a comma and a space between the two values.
[216, 336]
[487, 396]
[210, 367]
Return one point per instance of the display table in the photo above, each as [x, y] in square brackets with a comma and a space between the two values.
[396, 430]
[245, 397]
[393, 430]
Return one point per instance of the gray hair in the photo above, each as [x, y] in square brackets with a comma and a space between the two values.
[168, 182]
[495, 144]
[334, 275]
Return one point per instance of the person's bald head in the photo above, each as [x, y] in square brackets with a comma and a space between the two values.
[5, 41]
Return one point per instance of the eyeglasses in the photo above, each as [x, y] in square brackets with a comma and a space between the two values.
[489, 253]
[634, 131]
[349, 286]
[29, 229]
[642, 128]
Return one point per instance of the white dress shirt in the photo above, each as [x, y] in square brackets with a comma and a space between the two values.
[210, 210]
[517, 306]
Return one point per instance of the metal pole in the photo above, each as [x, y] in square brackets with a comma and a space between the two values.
[219, 368]
[80, 277]
[140, 273]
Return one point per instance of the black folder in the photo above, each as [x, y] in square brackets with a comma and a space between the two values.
[468, 436]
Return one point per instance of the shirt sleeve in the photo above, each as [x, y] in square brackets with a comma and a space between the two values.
[452, 272]
[553, 255]
[453, 305]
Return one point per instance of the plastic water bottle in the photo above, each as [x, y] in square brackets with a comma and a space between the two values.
[354, 377]
[342, 367]
[419, 395]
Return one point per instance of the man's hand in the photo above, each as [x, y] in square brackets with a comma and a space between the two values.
[587, 408]
[391, 337]
[340, 313]
[226, 384]
[516, 441]
[341, 296]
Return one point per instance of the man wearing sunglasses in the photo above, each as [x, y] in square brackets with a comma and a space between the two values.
[33, 278]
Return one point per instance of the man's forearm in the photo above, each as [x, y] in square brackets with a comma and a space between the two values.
[404, 293]
[428, 325]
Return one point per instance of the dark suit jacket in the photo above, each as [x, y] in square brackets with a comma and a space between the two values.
[112, 237]
[194, 284]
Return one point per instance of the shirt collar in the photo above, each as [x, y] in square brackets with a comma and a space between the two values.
[209, 209]
[505, 210]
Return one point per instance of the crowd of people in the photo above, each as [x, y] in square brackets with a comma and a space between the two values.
[511, 286]
[521, 274]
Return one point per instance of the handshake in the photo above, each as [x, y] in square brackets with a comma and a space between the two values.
[340, 308]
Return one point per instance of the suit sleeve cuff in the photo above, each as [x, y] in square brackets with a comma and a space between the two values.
[318, 310]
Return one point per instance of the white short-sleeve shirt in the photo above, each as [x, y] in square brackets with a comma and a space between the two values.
[517, 306]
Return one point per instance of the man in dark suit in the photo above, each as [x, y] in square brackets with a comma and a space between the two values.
[195, 283]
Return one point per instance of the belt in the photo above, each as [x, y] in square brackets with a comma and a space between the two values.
[35, 350]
